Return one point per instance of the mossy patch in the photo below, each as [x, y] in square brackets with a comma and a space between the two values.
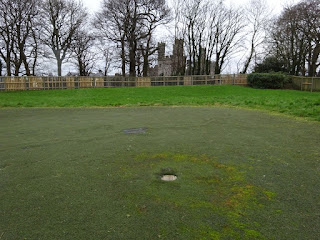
[216, 196]
[73, 174]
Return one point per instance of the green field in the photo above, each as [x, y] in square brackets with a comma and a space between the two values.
[296, 103]
[75, 172]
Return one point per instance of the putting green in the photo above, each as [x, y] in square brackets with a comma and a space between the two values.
[96, 174]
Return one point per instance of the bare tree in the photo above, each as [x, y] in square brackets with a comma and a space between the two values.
[83, 52]
[105, 55]
[289, 42]
[108, 60]
[190, 24]
[17, 28]
[296, 38]
[229, 25]
[153, 13]
[212, 33]
[7, 38]
[130, 25]
[257, 17]
[143, 18]
[34, 45]
[111, 23]
[178, 19]
[61, 21]
[309, 24]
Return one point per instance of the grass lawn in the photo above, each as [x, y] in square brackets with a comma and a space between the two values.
[74, 173]
[296, 103]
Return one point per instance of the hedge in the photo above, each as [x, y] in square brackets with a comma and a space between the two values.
[267, 80]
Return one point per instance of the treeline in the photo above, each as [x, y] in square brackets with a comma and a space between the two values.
[31, 30]
[123, 34]
[294, 41]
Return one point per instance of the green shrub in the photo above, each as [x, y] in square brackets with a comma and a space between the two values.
[270, 64]
[267, 80]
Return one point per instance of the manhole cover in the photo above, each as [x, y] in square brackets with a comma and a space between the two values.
[135, 130]
[169, 177]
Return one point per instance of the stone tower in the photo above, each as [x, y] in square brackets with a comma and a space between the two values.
[161, 51]
[179, 60]
[178, 48]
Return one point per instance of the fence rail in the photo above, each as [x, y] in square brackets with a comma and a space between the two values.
[46, 83]
[306, 83]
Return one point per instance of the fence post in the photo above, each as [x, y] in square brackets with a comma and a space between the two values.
[27, 83]
[50, 82]
[43, 83]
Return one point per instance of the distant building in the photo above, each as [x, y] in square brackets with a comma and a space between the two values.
[100, 73]
[72, 74]
[172, 65]
[202, 66]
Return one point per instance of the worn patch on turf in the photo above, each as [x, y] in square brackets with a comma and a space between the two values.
[141, 130]
[216, 194]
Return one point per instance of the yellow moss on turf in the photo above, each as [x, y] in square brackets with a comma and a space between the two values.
[209, 187]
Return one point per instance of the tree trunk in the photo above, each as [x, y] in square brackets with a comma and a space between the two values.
[199, 61]
[145, 69]
[132, 67]
[132, 58]
[123, 57]
[16, 69]
[8, 67]
[315, 56]
[247, 62]
[8, 64]
[26, 64]
[59, 65]
[81, 67]
[217, 69]
[146, 54]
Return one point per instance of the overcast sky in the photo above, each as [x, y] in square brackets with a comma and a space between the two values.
[277, 5]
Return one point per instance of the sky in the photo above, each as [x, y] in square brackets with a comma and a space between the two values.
[277, 5]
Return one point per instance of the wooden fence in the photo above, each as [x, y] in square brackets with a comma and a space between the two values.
[306, 83]
[46, 83]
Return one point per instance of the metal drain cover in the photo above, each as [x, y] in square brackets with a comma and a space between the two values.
[135, 130]
[169, 178]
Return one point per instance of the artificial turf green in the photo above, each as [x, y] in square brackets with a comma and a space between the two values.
[73, 173]
[290, 102]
